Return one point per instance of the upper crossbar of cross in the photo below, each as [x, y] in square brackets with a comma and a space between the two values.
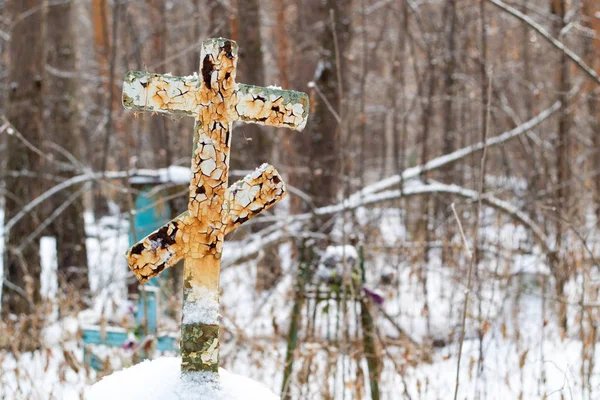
[186, 95]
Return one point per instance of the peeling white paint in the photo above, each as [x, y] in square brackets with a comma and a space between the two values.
[208, 166]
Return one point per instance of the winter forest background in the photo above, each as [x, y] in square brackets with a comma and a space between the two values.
[441, 235]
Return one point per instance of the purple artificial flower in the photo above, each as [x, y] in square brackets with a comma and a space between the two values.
[373, 295]
[128, 344]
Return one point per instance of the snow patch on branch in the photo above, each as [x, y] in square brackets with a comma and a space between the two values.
[237, 251]
[436, 163]
[173, 174]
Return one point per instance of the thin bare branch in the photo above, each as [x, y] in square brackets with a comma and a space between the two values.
[553, 41]
[442, 161]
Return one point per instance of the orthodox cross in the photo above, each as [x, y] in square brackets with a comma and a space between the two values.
[215, 100]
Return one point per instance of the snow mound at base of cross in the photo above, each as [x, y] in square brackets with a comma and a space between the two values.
[161, 379]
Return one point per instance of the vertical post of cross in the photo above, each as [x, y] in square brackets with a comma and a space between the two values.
[215, 100]
[212, 135]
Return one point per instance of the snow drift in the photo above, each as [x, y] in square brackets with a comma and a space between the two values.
[161, 380]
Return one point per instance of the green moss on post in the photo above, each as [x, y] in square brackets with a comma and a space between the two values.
[200, 348]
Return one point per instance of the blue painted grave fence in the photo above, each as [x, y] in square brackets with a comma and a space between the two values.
[150, 215]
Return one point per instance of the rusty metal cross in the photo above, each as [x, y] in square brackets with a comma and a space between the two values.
[215, 100]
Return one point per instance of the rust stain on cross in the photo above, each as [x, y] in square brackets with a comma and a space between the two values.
[215, 100]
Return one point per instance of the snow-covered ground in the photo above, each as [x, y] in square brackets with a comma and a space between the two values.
[54, 372]
[160, 380]
[523, 353]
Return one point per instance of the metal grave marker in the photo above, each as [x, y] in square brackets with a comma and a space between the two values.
[215, 100]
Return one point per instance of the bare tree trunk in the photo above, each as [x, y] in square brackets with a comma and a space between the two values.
[302, 72]
[423, 232]
[591, 11]
[534, 177]
[558, 8]
[99, 16]
[160, 133]
[449, 92]
[282, 42]
[318, 149]
[61, 128]
[449, 123]
[220, 20]
[257, 144]
[485, 116]
[101, 42]
[21, 291]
